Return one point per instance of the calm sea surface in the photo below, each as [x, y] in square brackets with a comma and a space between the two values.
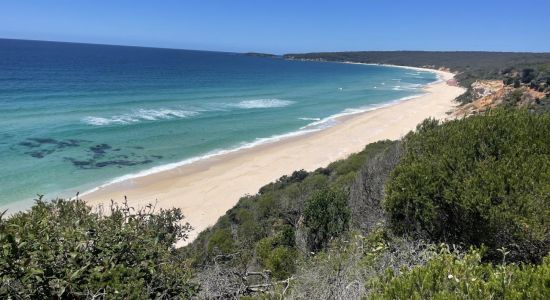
[76, 116]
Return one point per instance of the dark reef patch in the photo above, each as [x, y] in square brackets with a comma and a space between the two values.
[99, 155]
[41, 147]
[94, 164]
[40, 153]
[100, 150]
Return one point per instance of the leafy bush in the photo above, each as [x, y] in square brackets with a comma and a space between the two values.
[453, 276]
[61, 249]
[221, 242]
[480, 180]
[281, 262]
[277, 254]
[326, 215]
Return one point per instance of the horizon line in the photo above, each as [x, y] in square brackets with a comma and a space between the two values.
[246, 52]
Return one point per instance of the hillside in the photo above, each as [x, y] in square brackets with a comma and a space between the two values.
[464, 183]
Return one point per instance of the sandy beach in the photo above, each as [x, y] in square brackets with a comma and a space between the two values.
[206, 189]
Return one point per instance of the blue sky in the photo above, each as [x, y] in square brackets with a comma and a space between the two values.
[286, 26]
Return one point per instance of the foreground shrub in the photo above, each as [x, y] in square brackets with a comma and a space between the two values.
[326, 216]
[277, 254]
[62, 249]
[480, 180]
[452, 276]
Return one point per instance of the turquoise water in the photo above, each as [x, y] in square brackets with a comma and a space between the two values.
[76, 116]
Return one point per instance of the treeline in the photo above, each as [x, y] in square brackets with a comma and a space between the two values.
[514, 68]
[453, 210]
[456, 61]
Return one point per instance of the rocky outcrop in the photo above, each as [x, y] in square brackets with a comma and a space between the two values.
[484, 88]
[492, 93]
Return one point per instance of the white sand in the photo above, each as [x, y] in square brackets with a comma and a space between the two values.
[206, 189]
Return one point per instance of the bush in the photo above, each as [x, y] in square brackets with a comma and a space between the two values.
[480, 180]
[220, 243]
[62, 249]
[326, 215]
[452, 276]
[367, 191]
[277, 253]
[281, 262]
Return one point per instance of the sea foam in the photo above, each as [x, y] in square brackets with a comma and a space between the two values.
[138, 116]
[263, 103]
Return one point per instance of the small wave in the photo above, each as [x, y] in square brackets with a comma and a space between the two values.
[333, 119]
[310, 119]
[412, 86]
[263, 103]
[138, 116]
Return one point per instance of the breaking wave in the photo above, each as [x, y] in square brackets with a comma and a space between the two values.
[139, 116]
[263, 103]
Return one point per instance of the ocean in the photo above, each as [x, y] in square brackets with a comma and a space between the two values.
[77, 116]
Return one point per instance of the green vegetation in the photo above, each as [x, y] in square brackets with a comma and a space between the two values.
[453, 276]
[326, 216]
[62, 249]
[455, 210]
[481, 180]
[279, 228]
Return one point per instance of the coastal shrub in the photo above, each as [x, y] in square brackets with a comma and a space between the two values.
[220, 242]
[454, 276]
[367, 191]
[281, 262]
[62, 249]
[480, 180]
[326, 215]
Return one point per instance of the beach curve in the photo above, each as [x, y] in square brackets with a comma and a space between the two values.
[205, 189]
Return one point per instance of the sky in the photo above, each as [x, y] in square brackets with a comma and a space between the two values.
[284, 26]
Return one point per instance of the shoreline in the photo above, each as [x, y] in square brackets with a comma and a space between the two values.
[206, 188]
[315, 126]
[278, 138]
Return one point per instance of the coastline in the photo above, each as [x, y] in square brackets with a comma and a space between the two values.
[205, 189]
